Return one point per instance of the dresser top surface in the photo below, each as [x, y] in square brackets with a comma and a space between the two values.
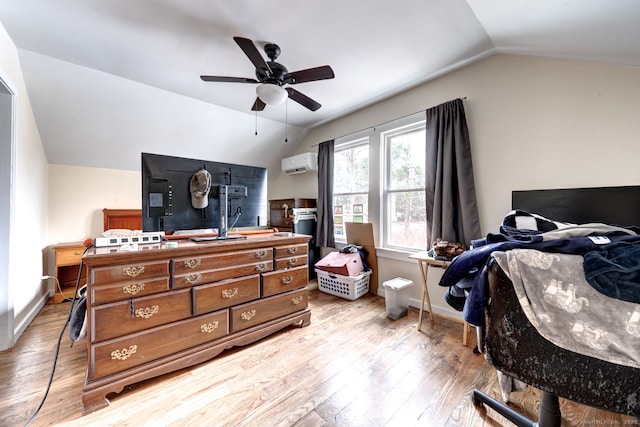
[187, 247]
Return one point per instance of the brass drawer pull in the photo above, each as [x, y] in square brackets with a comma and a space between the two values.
[133, 288]
[293, 261]
[292, 250]
[261, 267]
[248, 315]
[297, 300]
[207, 328]
[286, 280]
[261, 254]
[77, 253]
[230, 293]
[133, 271]
[192, 263]
[147, 312]
[125, 353]
[192, 278]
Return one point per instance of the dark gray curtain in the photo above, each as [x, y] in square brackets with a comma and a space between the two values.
[452, 212]
[324, 232]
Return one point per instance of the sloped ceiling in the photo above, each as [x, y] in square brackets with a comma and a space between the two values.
[109, 79]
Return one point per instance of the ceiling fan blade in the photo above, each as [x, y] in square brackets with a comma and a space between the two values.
[258, 105]
[252, 53]
[303, 100]
[309, 75]
[223, 79]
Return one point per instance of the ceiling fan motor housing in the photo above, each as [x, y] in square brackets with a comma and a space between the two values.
[278, 72]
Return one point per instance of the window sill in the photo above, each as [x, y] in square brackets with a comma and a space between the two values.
[395, 254]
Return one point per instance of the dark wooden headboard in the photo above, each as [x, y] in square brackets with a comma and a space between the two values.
[122, 219]
[609, 205]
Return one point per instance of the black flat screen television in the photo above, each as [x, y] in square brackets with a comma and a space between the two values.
[167, 198]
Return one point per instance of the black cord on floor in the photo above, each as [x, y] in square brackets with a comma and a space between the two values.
[55, 356]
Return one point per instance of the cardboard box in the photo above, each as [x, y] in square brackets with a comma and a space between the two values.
[342, 264]
[361, 234]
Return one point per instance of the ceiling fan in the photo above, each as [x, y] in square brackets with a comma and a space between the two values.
[272, 76]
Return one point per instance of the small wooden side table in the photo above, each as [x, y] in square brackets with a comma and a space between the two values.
[425, 261]
[68, 257]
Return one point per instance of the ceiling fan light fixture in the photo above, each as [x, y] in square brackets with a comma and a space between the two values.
[271, 94]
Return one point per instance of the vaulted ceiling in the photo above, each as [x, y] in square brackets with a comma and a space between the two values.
[108, 79]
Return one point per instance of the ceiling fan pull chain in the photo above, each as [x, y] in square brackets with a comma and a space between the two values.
[256, 122]
[286, 120]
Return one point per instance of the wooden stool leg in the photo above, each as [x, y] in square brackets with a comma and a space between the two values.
[425, 294]
[420, 310]
[465, 333]
[425, 272]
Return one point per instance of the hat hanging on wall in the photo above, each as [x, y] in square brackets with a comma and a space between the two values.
[200, 185]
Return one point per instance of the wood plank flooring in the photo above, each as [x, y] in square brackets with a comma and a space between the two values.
[351, 367]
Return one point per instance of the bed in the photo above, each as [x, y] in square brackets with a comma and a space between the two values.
[544, 318]
[122, 219]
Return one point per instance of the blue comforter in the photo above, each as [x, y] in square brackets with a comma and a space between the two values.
[474, 261]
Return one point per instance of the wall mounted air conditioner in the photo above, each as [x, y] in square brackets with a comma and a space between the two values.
[301, 163]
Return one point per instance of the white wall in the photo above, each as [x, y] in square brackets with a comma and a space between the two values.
[77, 196]
[534, 123]
[27, 292]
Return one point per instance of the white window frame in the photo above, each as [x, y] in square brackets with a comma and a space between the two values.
[347, 143]
[385, 136]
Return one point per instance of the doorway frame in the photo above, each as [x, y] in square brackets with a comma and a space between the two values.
[8, 108]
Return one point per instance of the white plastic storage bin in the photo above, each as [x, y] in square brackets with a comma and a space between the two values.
[348, 287]
[396, 297]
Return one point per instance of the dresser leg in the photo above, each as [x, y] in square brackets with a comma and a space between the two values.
[92, 401]
[306, 321]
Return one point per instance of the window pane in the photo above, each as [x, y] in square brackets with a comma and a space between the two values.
[349, 208]
[351, 170]
[405, 209]
[407, 220]
[350, 187]
[407, 160]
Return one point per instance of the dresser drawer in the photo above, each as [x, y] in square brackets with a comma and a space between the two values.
[279, 281]
[207, 298]
[210, 262]
[123, 353]
[210, 276]
[290, 250]
[124, 317]
[125, 290]
[69, 255]
[247, 315]
[128, 272]
[294, 261]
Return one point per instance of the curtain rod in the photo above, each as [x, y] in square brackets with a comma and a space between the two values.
[384, 123]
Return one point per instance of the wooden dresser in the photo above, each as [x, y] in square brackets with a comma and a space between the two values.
[157, 309]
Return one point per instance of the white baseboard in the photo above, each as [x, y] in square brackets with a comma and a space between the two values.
[26, 321]
[438, 310]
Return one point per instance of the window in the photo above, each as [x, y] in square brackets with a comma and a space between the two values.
[379, 177]
[404, 209]
[350, 185]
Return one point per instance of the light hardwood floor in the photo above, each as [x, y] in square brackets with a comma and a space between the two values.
[351, 367]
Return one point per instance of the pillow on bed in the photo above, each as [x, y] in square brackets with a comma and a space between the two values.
[520, 221]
